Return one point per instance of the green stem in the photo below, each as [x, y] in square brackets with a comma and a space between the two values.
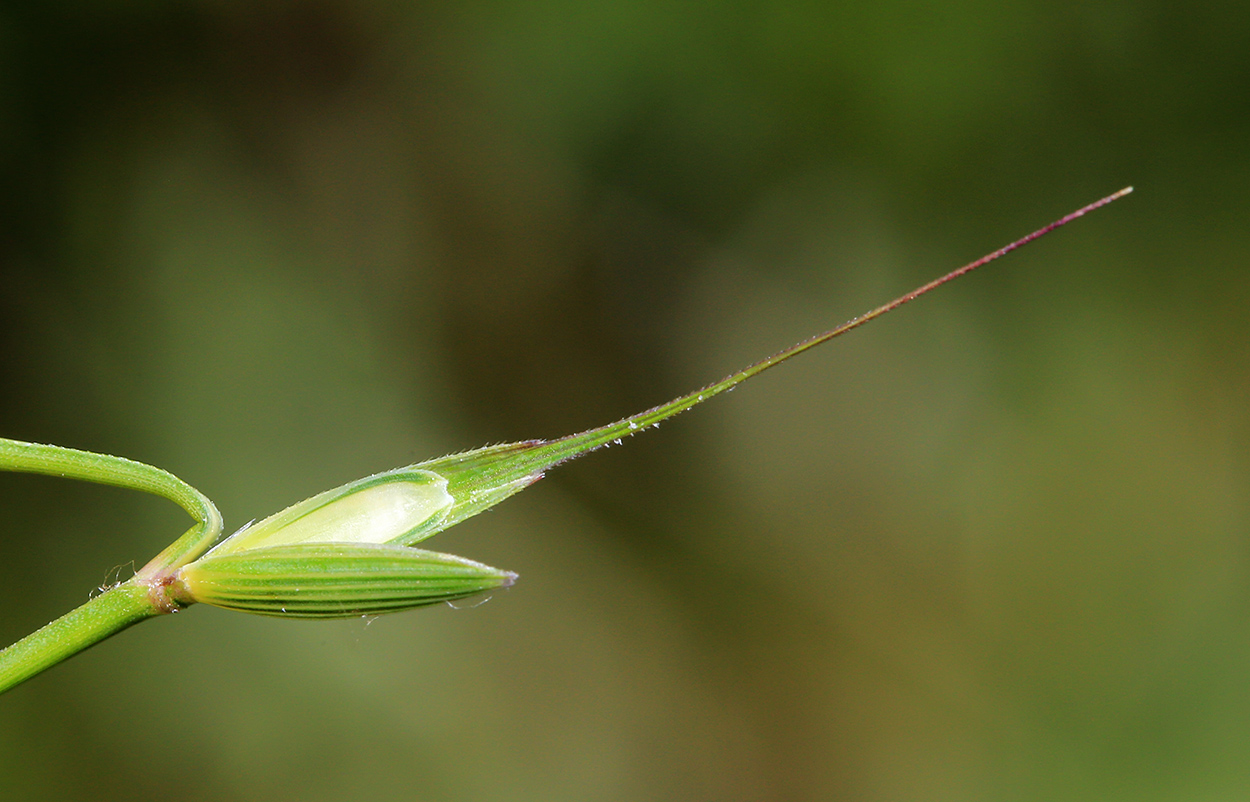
[128, 603]
[70, 463]
[105, 615]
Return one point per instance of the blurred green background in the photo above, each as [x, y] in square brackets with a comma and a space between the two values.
[994, 546]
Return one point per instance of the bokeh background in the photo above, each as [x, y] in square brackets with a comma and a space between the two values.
[995, 546]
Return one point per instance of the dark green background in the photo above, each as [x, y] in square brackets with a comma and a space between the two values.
[996, 546]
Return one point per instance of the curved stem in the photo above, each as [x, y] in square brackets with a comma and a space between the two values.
[70, 463]
[142, 596]
[105, 615]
